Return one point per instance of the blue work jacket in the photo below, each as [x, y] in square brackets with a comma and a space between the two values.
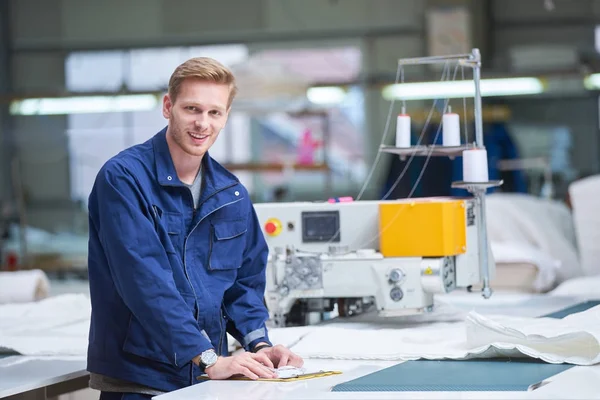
[168, 281]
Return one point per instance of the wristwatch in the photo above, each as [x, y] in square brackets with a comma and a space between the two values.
[208, 358]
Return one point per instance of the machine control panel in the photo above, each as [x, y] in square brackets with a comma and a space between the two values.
[320, 226]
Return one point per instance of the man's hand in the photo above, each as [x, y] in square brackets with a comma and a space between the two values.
[251, 365]
[281, 356]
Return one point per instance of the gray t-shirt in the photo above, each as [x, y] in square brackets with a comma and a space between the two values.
[108, 384]
[196, 188]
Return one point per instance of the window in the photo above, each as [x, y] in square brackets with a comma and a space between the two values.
[95, 138]
[95, 71]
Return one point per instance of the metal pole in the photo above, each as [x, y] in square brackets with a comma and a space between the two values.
[480, 192]
[476, 79]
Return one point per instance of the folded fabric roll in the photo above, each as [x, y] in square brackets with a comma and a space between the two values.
[23, 286]
[574, 339]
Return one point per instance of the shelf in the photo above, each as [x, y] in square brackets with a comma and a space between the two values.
[424, 150]
[470, 186]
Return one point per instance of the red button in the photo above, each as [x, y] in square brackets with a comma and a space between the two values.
[270, 227]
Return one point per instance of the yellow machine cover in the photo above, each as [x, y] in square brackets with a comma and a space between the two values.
[423, 228]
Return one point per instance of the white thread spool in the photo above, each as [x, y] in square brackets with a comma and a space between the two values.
[451, 129]
[475, 165]
[403, 130]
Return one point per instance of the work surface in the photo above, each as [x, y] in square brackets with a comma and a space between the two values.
[51, 375]
[575, 383]
[578, 382]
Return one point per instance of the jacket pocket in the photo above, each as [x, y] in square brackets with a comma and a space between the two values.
[174, 226]
[227, 244]
[139, 343]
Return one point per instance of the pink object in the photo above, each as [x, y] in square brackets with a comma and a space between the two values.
[346, 199]
[307, 147]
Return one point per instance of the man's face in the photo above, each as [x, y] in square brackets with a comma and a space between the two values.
[198, 115]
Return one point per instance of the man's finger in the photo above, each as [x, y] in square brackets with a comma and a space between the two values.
[283, 360]
[246, 372]
[259, 369]
[263, 358]
[296, 360]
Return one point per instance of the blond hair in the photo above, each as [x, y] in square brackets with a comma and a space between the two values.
[202, 68]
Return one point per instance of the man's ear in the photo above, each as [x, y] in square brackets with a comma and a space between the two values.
[167, 106]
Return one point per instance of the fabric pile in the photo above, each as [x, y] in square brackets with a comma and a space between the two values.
[574, 339]
[56, 326]
[59, 326]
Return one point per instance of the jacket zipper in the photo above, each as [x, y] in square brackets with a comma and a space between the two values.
[185, 243]
[197, 305]
[197, 314]
[227, 317]
[184, 257]
[185, 246]
[223, 328]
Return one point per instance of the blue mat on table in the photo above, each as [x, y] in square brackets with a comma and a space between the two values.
[573, 309]
[455, 376]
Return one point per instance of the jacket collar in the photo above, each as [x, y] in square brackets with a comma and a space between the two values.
[215, 176]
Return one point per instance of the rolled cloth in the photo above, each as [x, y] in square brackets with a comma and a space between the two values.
[23, 286]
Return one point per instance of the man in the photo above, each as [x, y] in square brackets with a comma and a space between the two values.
[176, 254]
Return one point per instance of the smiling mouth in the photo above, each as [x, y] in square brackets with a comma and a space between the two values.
[198, 136]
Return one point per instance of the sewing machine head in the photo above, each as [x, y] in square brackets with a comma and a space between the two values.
[392, 255]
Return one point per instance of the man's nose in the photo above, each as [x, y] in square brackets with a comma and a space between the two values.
[202, 121]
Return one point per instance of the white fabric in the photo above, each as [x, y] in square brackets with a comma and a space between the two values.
[51, 327]
[58, 326]
[574, 339]
[587, 287]
[23, 286]
[584, 200]
[537, 223]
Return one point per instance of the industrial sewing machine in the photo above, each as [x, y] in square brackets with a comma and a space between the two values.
[389, 255]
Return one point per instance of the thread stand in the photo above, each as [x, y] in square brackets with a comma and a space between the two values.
[478, 189]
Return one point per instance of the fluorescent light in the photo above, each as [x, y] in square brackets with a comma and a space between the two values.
[84, 104]
[463, 88]
[326, 95]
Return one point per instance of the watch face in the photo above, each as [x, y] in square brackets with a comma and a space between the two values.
[209, 357]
